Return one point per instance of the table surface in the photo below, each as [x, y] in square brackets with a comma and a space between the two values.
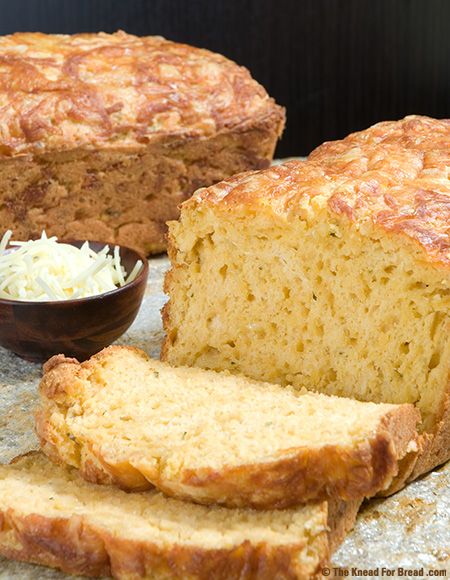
[409, 530]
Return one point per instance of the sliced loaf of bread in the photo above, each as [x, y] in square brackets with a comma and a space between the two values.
[50, 516]
[331, 274]
[125, 419]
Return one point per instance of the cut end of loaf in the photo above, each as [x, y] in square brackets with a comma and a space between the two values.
[330, 274]
[321, 306]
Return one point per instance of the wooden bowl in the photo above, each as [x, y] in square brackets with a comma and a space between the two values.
[37, 330]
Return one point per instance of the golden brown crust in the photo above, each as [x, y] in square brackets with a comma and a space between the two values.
[56, 360]
[341, 519]
[436, 446]
[394, 174]
[124, 196]
[78, 548]
[56, 542]
[313, 474]
[90, 151]
[60, 92]
[308, 474]
[243, 561]
[77, 545]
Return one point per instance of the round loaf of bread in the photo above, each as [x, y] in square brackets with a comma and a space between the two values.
[102, 136]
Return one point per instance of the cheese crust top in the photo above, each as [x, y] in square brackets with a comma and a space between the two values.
[394, 175]
[59, 92]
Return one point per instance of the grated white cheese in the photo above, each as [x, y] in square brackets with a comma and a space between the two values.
[45, 269]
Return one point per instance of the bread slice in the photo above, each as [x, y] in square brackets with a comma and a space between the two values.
[50, 516]
[331, 274]
[125, 419]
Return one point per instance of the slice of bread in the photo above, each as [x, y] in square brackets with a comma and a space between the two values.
[125, 419]
[50, 516]
[331, 274]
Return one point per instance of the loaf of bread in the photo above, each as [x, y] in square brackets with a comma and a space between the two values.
[125, 419]
[331, 274]
[49, 516]
[103, 135]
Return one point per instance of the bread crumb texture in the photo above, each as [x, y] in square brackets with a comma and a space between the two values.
[48, 515]
[102, 152]
[330, 274]
[128, 420]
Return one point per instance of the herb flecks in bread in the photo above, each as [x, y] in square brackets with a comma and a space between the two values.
[128, 420]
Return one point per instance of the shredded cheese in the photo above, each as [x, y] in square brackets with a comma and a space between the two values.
[44, 269]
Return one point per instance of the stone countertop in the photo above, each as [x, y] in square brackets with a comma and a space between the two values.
[409, 530]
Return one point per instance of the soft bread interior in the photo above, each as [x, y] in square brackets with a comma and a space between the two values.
[33, 485]
[164, 420]
[312, 301]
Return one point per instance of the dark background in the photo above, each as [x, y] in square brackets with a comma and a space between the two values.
[336, 65]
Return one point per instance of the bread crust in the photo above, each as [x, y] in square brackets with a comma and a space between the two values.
[125, 196]
[436, 445]
[78, 546]
[60, 92]
[307, 474]
[93, 152]
[393, 174]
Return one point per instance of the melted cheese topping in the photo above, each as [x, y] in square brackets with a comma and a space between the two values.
[59, 92]
[44, 269]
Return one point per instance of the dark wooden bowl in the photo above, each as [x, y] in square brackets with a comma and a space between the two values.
[37, 330]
